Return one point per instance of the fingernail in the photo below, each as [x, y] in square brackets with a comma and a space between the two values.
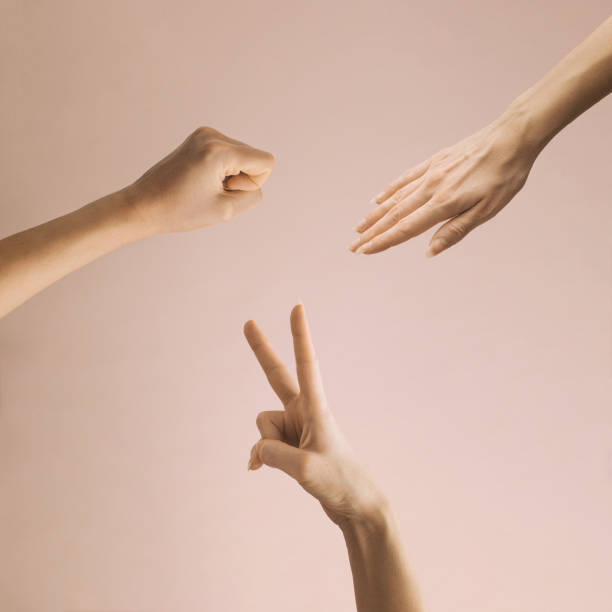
[435, 247]
[252, 462]
[354, 245]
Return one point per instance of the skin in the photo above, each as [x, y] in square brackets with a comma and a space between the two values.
[304, 440]
[208, 179]
[467, 184]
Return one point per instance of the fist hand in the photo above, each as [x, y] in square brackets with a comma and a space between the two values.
[208, 179]
[303, 439]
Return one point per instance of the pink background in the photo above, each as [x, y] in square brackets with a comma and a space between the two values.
[477, 386]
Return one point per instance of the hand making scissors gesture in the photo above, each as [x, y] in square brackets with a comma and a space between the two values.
[304, 440]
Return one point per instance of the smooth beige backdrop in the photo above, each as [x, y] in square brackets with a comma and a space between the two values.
[477, 386]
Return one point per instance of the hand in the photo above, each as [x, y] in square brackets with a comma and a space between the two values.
[303, 440]
[208, 179]
[464, 185]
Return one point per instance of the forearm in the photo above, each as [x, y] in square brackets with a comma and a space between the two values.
[578, 81]
[380, 570]
[35, 258]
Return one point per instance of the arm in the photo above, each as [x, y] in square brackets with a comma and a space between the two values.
[304, 441]
[579, 80]
[208, 179]
[470, 182]
[379, 566]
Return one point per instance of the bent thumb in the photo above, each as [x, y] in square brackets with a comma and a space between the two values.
[240, 182]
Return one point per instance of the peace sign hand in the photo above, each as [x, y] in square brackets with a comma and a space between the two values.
[303, 439]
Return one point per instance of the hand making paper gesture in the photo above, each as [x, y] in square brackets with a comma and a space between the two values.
[465, 185]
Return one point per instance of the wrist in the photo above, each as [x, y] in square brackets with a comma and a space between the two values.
[522, 122]
[376, 519]
[126, 207]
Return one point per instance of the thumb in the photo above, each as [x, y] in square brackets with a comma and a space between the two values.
[242, 182]
[280, 455]
[454, 230]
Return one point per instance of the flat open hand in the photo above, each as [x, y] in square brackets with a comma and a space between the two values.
[463, 186]
[303, 439]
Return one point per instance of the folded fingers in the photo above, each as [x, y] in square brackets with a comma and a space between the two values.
[271, 424]
[251, 166]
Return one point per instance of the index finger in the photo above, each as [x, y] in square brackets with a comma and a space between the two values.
[279, 378]
[307, 365]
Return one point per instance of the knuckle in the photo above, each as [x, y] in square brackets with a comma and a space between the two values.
[215, 145]
[370, 218]
[404, 231]
[441, 154]
[395, 215]
[489, 211]
[207, 148]
[399, 195]
[367, 236]
[446, 207]
[261, 419]
[206, 140]
[443, 195]
[199, 137]
[203, 131]
[434, 176]
[406, 190]
[372, 244]
[456, 231]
